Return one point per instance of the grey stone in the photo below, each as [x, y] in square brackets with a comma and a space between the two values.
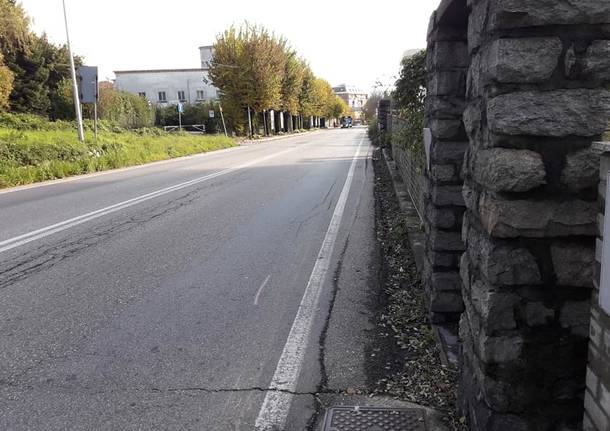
[446, 302]
[576, 315]
[536, 314]
[519, 13]
[503, 265]
[501, 349]
[524, 60]
[446, 281]
[472, 118]
[451, 54]
[448, 152]
[536, 219]
[443, 173]
[573, 264]
[570, 62]
[505, 170]
[446, 241]
[445, 106]
[496, 308]
[581, 170]
[597, 60]
[476, 25]
[597, 415]
[443, 218]
[447, 195]
[473, 80]
[557, 113]
[445, 128]
[448, 83]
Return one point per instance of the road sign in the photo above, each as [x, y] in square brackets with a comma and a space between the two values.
[180, 108]
[211, 113]
[87, 76]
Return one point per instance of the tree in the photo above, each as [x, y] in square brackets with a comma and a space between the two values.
[6, 85]
[292, 83]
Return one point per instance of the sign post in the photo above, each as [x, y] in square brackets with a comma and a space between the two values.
[180, 109]
[89, 90]
[224, 126]
[79, 115]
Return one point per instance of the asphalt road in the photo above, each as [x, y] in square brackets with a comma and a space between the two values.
[189, 294]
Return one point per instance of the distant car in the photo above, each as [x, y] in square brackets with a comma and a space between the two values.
[346, 122]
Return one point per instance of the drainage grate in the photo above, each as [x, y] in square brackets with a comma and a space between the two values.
[374, 419]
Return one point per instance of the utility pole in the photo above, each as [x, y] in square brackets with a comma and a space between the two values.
[79, 115]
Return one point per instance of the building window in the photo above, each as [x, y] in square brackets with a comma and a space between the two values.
[200, 95]
[142, 94]
[162, 96]
[181, 96]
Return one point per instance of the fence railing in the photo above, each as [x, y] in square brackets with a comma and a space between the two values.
[410, 160]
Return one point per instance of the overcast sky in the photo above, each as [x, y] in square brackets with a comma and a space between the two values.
[354, 42]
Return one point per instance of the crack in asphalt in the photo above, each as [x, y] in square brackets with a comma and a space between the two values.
[29, 263]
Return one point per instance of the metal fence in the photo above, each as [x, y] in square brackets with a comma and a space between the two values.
[410, 160]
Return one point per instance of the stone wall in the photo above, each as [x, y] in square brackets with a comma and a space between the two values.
[447, 65]
[597, 395]
[536, 96]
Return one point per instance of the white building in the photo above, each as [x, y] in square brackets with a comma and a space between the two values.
[170, 86]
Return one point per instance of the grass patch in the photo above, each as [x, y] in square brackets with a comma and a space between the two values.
[33, 150]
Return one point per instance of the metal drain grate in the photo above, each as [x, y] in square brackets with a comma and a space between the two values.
[374, 419]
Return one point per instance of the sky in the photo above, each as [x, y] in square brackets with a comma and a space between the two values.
[354, 42]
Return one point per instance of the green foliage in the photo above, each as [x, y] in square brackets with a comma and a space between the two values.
[6, 84]
[33, 149]
[409, 97]
[125, 109]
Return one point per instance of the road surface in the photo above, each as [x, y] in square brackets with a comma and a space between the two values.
[189, 294]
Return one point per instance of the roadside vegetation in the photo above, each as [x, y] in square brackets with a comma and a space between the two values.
[34, 149]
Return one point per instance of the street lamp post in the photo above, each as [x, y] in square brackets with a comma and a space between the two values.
[79, 116]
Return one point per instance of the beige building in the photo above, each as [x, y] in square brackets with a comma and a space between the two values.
[354, 97]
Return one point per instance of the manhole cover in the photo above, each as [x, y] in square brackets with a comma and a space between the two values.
[374, 419]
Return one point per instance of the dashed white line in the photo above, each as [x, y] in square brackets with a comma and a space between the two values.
[274, 411]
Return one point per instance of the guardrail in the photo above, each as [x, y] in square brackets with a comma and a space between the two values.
[195, 128]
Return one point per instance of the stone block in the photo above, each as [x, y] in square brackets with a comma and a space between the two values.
[506, 170]
[501, 349]
[446, 128]
[445, 107]
[447, 195]
[558, 113]
[472, 118]
[536, 314]
[573, 264]
[473, 79]
[496, 308]
[524, 60]
[519, 13]
[446, 281]
[448, 152]
[576, 315]
[443, 218]
[536, 218]
[443, 173]
[443, 260]
[503, 265]
[451, 54]
[476, 25]
[446, 302]
[448, 83]
[597, 62]
[446, 241]
[581, 170]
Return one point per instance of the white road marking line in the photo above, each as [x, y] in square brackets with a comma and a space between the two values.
[274, 411]
[260, 289]
[20, 240]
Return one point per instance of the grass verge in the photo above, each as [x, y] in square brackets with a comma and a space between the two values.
[39, 151]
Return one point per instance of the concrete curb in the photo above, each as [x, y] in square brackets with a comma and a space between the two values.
[278, 138]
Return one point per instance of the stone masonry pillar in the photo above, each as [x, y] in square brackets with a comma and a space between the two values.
[537, 97]
[447, 65]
